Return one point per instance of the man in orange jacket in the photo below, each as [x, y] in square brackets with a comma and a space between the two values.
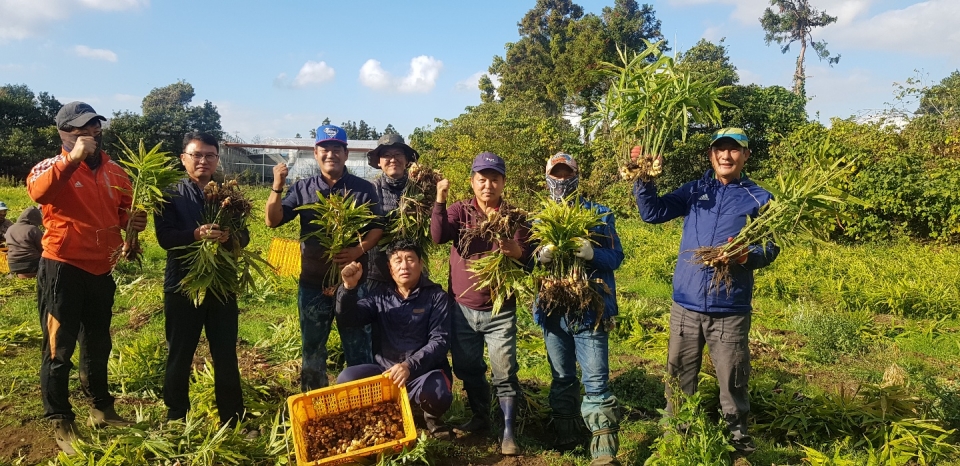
[85, 199]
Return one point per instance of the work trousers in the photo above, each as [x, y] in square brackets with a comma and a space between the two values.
[183, 325]
[430, 391]
[471, 330]
[74, 306]
[316, 319]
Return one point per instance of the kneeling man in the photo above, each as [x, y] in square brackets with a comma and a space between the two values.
[411, 331]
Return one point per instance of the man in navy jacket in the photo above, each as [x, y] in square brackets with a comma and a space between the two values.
[715, 208]
[411, 330]
[577, 337]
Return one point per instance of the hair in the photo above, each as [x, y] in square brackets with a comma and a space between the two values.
[405, 244]
[205, 138]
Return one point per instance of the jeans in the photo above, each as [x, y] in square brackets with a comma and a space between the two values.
[183, 324]
[727, 337]
[473, 328]
[430, 391]
[316, 318]
[74, 306]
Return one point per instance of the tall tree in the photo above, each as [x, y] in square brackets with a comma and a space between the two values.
[27, 131]
[389, 130]
[553, 63]
[707, 58]
[167, 116]
[795, 22]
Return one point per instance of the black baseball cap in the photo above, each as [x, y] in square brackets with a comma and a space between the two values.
[76, 115]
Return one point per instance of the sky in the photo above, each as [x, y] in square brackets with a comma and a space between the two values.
[275, 69]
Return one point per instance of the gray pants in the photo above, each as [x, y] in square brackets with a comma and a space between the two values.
[727, 337]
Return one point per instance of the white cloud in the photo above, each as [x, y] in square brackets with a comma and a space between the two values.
[423, 75]
[926, 28]
[373, 75]
[313, 73]
[421, 78]
[745, 12]
[20, 19]
[472, 83]
[95, 54]
[840, 93]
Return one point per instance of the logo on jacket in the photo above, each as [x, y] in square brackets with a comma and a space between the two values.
[704, 197]
[77, 185]
[419, 311]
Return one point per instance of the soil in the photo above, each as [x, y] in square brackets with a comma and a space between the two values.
[32, 441]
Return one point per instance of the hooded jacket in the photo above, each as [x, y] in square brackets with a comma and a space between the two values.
[24, 237]
[415, 329]
[713, 212]
[84, 210]
[607, 257]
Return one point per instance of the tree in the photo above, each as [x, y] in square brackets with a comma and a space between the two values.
[27, 131]
[313, 131]
[167, 117]
[522, 132]
[794, 23]
[559, 49]
[942, 99]
[707, 58]
[390, 130]
[298, 136]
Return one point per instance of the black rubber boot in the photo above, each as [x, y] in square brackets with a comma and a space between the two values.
[479, 400]
[508, 446]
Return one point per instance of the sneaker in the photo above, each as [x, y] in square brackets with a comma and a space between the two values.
[108, 417]
[65, 431]
[743, 445]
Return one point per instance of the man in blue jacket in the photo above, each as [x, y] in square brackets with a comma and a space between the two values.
[715, 208]
[411, 330]
[576, 337]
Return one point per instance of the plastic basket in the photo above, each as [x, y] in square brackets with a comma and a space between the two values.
[4, 267]
[340, 398]
[285, 256]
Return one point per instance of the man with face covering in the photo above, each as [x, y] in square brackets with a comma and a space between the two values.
[573, 335]
[85, 200]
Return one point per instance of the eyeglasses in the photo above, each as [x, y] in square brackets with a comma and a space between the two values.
[198, 157]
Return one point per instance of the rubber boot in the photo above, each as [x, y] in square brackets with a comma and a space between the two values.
[508, 446]
[107, 417]
[601, 413]
[479, 400]
[436, 428]
[65, 433]
[739, 438]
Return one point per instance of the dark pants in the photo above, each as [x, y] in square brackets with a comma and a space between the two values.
[316, 319]
[471, 330]
[727, 337]
[431, 391]
[183, 325]
[74, 306]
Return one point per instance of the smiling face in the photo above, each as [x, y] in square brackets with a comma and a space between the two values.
[405, 268]
[331, 157]
[487, 186]
[393, 162]
[727, 157]
[200, 160]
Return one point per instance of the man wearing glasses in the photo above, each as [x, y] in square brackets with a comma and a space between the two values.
[85, 200]
[180, 222]
[316, 304]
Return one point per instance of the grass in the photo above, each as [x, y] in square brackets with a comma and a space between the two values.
[910, 319]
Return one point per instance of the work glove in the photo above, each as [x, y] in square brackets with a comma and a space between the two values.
[585, 251]
[545, 255]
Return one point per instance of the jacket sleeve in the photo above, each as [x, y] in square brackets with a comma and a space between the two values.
[170, 234]
[608, 255]
[48, 178]
[444, 223]
[352, 311]
[660, 209]
[760, 256]
[432, 355]
[36, 238]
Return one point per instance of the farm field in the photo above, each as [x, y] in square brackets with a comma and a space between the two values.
[856, 356]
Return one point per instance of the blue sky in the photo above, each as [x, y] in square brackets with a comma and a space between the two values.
[277, 68]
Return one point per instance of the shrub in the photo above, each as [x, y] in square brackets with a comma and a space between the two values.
[830, 334]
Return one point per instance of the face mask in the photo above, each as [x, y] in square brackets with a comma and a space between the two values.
[69, 140]
[561, 189]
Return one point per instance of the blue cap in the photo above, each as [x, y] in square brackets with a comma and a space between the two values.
[3, 206]
[489, 161]
[331, 133]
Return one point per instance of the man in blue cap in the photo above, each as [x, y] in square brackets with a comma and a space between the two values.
[715, 208]
[316, 304]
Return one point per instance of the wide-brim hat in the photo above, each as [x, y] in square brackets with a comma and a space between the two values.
[388, 141]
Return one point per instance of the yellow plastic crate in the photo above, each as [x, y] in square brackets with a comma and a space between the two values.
[284, 255]
[4, 267]
[340, 398]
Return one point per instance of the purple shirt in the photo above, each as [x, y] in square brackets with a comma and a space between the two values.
[445, 225]
[313, 263]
